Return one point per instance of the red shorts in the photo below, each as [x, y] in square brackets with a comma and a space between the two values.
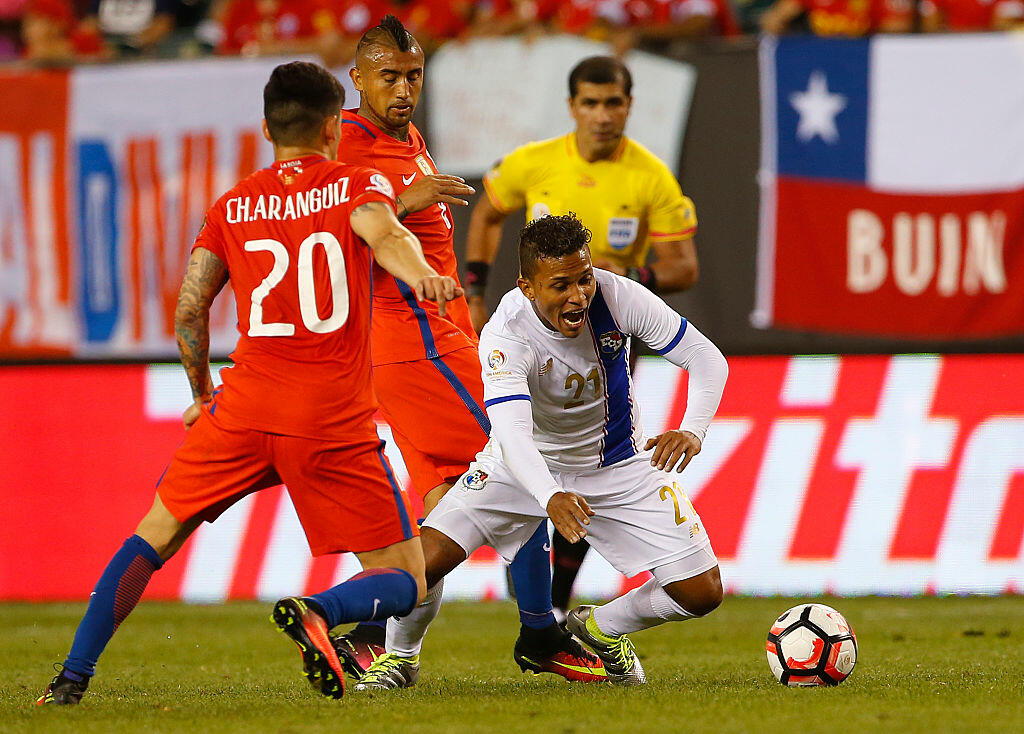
[435, 410]
[344, 493]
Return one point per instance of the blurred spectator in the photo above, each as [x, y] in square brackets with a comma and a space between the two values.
[52, 32]
[433, 22]
[354, 18]
[278, 27]
[670, 20]
[131, 26]
[971, 15]
[841, 17]
[11, 14]
[505, 17]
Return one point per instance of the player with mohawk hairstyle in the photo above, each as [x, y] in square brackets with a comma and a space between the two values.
[426, 370]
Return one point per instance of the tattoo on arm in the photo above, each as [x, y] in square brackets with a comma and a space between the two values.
[204, 279]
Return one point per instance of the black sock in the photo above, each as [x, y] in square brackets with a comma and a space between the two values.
[543, 639]
[567, 560]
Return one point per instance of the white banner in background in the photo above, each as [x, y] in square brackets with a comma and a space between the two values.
[489, 96]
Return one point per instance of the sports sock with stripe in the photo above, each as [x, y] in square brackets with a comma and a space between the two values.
[114, 597]
[644, 607]
[376, 593]
[531, 577]
[405, 635]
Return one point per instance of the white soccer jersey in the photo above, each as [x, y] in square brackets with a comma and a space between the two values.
[585, 415]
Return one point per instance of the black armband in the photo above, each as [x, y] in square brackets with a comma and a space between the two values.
[476, 277]
[644, 276]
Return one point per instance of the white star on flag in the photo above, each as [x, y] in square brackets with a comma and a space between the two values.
[818, 109]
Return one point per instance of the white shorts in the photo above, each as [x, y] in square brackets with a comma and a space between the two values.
[643, 520]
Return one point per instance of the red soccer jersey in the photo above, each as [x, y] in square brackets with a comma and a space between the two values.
[403, 329]
[301, 279]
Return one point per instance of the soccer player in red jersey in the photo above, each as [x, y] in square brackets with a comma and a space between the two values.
[295, 241]
[426, 370]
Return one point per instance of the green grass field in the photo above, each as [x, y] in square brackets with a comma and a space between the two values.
[926, 665]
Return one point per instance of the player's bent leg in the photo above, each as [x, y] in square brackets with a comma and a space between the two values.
[158, 537]
[391, 583]
[431, 498]
[399, 666]
[699, 595]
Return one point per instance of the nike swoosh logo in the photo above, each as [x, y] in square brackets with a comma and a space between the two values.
[376, 603]
[577, 668]
[407, 181]
[547, 547]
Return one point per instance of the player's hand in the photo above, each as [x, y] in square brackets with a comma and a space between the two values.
[477, 312]
[570, 512]
[192, 412]
[436, 189]
[610, 266]
[670, 447]
[438, 288]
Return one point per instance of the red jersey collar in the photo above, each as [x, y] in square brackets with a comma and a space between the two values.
[354, 118]
[300, 162]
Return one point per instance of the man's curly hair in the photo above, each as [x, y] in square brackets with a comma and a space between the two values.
[550, 237]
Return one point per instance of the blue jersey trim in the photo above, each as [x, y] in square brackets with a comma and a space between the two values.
[618, 427]
[435, 358]
[675, 340]
[402, 514]
[504, 399]
[359, 124]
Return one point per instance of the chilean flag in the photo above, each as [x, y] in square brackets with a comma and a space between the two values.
[892, 186]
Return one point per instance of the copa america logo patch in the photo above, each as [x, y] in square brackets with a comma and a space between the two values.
[476, 479]
[495, 359]
[612, 343]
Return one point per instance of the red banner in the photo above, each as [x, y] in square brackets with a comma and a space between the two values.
[846, 474]
[848, 259]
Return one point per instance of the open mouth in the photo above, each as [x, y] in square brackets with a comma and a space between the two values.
[574, 318]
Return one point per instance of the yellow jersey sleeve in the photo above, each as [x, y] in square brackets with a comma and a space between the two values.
[672, 215]
[506, 183]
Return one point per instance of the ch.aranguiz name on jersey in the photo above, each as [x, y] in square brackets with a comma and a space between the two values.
[298, 204]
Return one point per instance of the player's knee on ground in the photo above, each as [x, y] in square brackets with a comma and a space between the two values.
[441, 554]
[699, 595]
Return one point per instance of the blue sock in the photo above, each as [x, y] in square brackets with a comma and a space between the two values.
[531, 577]
[116, 594]
[375, 594]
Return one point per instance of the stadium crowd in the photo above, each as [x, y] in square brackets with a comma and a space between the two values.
[72, 31]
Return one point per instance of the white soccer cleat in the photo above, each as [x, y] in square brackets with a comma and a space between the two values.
[620, 660]
[390, 671]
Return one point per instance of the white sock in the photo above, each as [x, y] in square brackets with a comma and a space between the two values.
[644, 607]
[405, 634]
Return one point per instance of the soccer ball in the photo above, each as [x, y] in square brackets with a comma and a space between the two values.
[811, 645]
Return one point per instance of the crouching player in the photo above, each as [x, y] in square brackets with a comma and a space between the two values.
[566, 443]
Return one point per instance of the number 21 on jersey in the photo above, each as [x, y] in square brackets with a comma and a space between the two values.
[307, 286]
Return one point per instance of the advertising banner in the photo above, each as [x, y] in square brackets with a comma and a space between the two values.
[892, 186]
[489, 96]
[848, 475]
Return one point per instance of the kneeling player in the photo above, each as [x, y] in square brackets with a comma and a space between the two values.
[566, 443]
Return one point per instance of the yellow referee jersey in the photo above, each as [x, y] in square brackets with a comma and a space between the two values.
[626, 201]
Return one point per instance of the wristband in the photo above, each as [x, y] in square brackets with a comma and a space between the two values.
[404, 211]
[476, 277]
[644, 276]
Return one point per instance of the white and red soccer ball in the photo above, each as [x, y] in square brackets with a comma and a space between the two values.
[811, 645]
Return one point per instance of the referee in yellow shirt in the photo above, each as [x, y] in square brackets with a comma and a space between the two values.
[626, 197]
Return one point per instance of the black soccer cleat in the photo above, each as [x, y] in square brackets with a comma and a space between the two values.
[566, 658]
[359, 648]
[63, 691]
[308, 630]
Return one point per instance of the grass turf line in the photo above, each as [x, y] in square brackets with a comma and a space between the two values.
[926, 665]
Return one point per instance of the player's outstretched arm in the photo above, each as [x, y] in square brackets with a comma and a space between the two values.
[482, 243]
[397, 250]
[204, 278]
[430, 190]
